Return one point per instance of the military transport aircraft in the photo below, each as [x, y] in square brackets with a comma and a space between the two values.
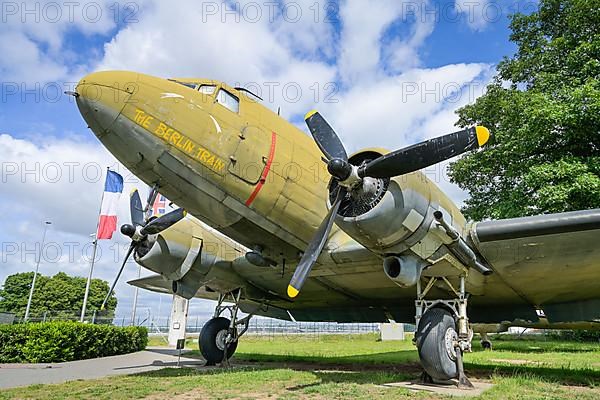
[295, 228]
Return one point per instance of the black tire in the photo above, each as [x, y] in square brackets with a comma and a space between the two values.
[486, 344]
[438, 359]
[211, 340]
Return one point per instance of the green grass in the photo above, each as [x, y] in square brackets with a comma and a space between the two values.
[349, 367]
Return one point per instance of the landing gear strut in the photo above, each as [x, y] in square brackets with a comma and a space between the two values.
[219, 337]
[443, 333]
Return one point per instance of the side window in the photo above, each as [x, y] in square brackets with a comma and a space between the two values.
[228, 100]
[207, 89]
[188, 84]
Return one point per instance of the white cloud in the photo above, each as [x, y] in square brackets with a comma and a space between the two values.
[363, 23]
[403, 53]
[42, 178]
[58, 180]
[394, 111]
[33, 36]
[23, 61]
[363, 45]
[237, 49]
[477, 13]
[306, 27]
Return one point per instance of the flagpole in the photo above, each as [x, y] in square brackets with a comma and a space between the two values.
[89, 279]
[135, 298]
[37, 267]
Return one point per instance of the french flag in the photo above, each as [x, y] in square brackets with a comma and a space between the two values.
[108, 211]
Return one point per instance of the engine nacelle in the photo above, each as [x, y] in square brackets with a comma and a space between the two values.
[174, 252]
[391, 216]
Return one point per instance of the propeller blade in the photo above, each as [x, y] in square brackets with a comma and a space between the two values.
[326, 138]
[163, 222]
[424, 154]
[151, 198]
[314, 247]
[136, 209]
[112, 287]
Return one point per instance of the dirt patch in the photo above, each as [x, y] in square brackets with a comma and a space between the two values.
[513, 362]
[406, 368]
[203, 394]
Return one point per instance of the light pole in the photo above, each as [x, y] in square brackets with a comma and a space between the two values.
[89, 279]
[37, 267]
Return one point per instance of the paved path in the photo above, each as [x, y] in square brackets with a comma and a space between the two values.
[13, 375]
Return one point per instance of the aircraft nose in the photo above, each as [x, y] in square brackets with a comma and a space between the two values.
[101, 97]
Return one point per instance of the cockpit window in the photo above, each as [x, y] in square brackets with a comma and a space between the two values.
[187, 84]
[228, 100]
[207, 89]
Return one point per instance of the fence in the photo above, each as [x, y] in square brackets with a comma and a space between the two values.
[258, 325]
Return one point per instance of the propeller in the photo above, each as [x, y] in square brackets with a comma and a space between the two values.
[349, 177]
[139, 229]
[135, 208]
[314, 248]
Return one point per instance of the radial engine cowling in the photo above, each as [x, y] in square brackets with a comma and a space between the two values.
[174, 252]
[391, 216]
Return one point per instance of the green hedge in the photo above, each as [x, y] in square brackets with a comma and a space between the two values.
[579, 335]
[67, 341]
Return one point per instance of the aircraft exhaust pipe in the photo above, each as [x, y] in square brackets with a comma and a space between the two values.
[459, 247]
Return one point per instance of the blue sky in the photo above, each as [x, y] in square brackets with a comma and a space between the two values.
[406, 65]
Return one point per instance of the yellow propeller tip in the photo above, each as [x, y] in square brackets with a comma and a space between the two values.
[133, 191]
[310, 114]
[483, 135]
[185, 213]
[292, 291]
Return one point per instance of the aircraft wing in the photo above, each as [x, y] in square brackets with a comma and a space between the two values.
[550, 261]
[160, 284]
[154, 283]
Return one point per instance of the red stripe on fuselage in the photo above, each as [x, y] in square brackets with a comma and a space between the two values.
[263, 177]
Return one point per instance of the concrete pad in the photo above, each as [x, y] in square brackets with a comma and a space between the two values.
[447, 389]
[14, 375]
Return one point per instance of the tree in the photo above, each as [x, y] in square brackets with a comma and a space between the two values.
[543, 109]
[60, 295]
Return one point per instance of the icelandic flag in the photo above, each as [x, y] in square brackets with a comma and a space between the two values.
[108, 211]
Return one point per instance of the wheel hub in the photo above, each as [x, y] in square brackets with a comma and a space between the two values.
[450, 339]
[220, 339]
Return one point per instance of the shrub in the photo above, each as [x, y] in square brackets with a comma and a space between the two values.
[67, 341]
[579, 335]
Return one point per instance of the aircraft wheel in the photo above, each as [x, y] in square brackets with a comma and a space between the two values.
[435, 339]
[212, 340]
[486, 344]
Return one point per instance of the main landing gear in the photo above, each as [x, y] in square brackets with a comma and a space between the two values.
[219, 337]
[443, 334]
